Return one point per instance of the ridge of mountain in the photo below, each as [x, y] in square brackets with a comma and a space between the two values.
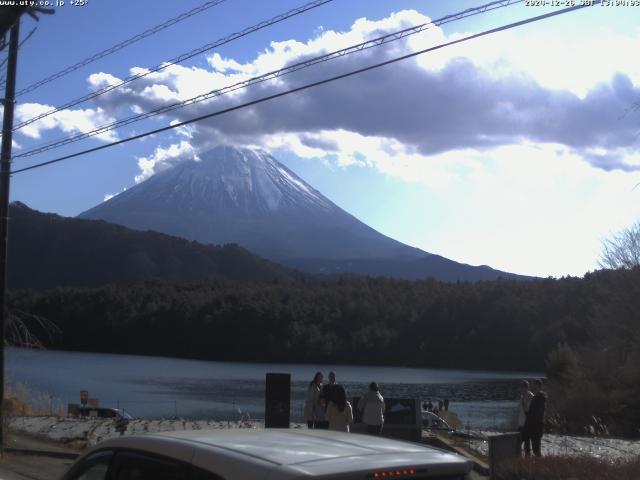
[431, 266]
[47, 250]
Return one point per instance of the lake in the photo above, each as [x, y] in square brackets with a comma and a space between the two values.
[166, 387]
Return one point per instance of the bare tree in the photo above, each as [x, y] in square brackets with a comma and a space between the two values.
[622, 250]
[20, 327]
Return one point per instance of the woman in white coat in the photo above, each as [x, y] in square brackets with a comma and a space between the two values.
[372, 407]
[313, 407]
[339, 411]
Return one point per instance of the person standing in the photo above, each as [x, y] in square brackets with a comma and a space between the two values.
[328, 388]
[534, 423]
[326, 396]
[372, 407]
[313, 408]
[339, 410]
[332, 378]
[523, 410]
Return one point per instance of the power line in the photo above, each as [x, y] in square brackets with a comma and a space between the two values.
[309, 85]
[180, 59]
[270, 75]
[121, 45]
[24, 40]
[376, 42]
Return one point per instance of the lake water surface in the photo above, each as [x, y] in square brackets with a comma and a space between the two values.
[164, 387]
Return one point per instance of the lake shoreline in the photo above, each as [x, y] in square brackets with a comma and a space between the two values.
[166, 387]
[311, 365]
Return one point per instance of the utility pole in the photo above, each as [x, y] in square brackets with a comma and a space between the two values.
[5, 176]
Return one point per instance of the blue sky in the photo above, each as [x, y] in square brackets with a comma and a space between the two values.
[514, 151]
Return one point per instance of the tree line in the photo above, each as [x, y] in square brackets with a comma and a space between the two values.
[502, 324]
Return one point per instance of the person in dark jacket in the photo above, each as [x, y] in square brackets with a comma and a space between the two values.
[525, 402]
[329, 388]
[328, 395]
[534, 423]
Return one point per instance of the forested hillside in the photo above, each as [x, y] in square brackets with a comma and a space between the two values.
[503, 324]
[47, 250]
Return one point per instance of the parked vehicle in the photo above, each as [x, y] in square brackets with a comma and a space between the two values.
[271, 454]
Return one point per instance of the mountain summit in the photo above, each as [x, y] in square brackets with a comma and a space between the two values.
[245, 196]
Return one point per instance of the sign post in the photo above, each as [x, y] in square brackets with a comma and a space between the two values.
[84, 397]
[277, 400]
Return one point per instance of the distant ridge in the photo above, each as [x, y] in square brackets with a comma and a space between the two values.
[47, 250]
[432, 266]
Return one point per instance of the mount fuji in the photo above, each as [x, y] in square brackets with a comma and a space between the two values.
[245, 196]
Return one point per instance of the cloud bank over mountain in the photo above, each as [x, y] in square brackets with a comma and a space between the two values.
[475, 96]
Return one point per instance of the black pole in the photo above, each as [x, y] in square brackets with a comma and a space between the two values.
[5, 175]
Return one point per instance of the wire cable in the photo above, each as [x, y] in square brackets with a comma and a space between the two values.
[309, 85]
[376, 42]
[121, 45]
[4, 60]
[180, 59]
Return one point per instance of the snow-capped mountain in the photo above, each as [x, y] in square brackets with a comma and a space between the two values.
[245, 196]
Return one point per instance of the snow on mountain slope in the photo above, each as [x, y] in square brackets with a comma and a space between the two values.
[245, 196]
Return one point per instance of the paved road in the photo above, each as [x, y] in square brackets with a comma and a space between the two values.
[31, 467]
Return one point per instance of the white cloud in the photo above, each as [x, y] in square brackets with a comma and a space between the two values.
[102, 80]
[225, 65]
[538, 210]
[163, 158]
[68, 121]
[575, 63]
[474, 97]
[494, 91]
[185, 131]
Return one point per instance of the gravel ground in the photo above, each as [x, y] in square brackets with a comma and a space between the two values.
[89, 431]
[597, 447]
[84, 432]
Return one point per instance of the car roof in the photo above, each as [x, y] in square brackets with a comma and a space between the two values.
[294, 453]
